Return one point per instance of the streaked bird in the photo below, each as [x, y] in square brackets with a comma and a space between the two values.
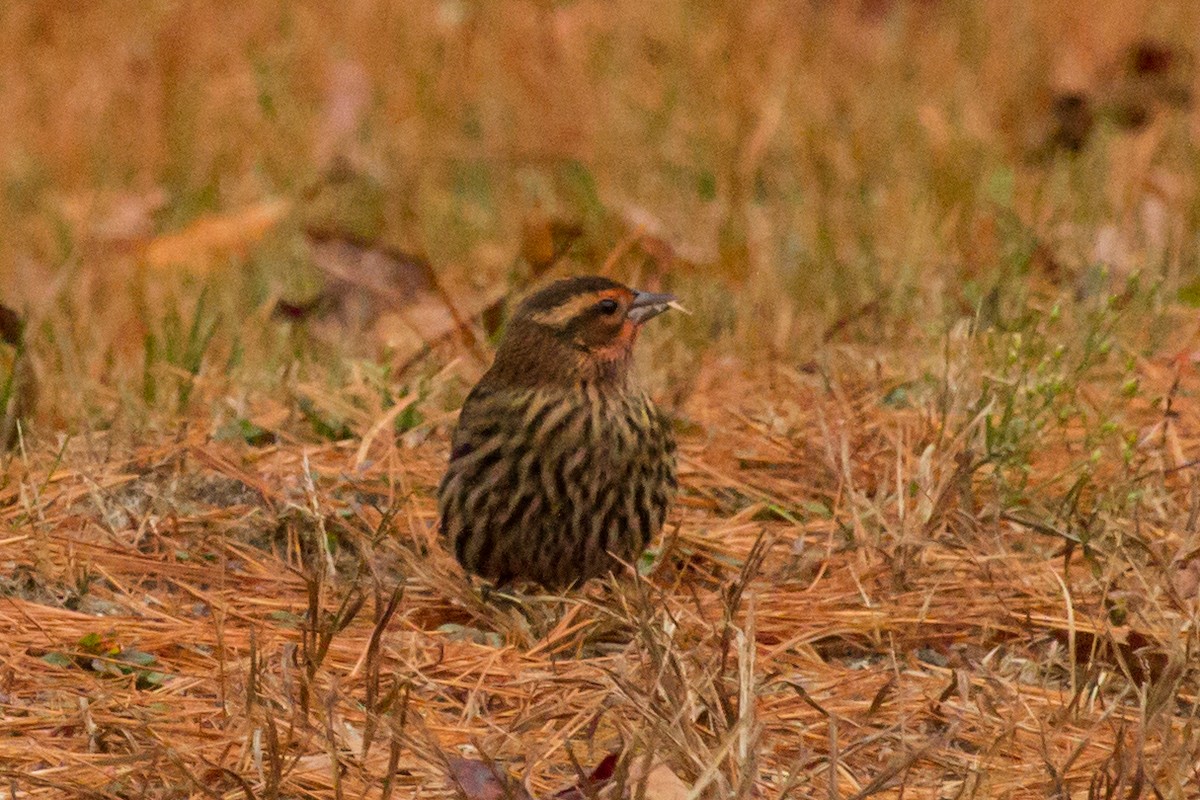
[561, 467]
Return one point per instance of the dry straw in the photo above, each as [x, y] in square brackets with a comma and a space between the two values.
[308, 638]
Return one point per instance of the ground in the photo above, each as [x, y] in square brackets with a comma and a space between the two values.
[173, 623]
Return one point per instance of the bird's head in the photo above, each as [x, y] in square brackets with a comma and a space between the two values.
[576, 330]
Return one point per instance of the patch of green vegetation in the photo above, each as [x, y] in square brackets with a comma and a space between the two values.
[104, 656]
[174, 353]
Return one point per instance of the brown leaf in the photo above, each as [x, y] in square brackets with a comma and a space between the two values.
[390, 293]
[356, 266]
[600, 776]
[662, 784]
[216, 235]
[479, 780]
[545, 239]
[659, 781]
[365, 281]
[298, 311]
[1187, 579]
[12, 327]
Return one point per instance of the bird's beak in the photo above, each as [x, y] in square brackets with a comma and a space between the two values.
[647, 305]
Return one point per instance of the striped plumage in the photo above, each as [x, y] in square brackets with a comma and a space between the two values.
[559, 462]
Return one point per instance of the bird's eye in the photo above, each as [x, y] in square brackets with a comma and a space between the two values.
[607, 306]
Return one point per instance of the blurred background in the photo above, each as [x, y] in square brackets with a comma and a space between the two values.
[280, 200]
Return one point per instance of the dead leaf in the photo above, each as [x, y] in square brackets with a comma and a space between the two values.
[479, 780]
[545, 239]
[299, 311]
[12, 327]
[661, 783]
[216, 235]
[600, 776]
[1187, 579]
[357, 270]
[395, 296]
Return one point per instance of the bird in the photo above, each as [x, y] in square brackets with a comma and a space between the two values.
[561, 467]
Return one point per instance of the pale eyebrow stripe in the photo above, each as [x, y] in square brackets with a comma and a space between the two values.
[565, 311]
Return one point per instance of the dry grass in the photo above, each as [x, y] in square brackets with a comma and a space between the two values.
[938, 533]
[926, 649]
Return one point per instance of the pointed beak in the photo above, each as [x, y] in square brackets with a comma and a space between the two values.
[647, 305]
